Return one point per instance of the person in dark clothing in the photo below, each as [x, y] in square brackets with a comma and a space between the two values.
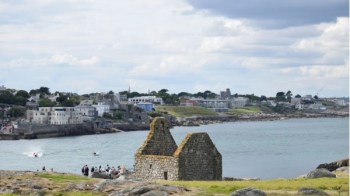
[86, 171]
[83, 169]
[92, 169]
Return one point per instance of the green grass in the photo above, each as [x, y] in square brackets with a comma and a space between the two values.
[244, 110]
[57, 177]
[183, 111]
[226, 187]
[78, 194]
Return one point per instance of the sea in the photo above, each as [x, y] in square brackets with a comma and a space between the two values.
[263, 149]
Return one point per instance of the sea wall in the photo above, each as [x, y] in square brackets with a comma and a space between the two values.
[34, 131]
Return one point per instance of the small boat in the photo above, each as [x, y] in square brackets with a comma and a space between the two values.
[35, 154]
[95, 153]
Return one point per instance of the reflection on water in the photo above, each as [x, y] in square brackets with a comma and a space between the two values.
[269, 149]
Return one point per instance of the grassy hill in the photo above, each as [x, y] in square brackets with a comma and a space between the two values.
[183, 111]
[333, 186]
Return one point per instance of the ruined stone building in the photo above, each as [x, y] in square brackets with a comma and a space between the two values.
[160, 158]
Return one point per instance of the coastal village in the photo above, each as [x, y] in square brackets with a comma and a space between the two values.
[22, 113]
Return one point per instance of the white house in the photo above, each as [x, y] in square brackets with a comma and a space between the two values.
[218, 105]
[55, 116]
[101, 108]
[239, 102]
[147, 99]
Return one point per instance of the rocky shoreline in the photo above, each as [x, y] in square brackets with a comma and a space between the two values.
[204, 120]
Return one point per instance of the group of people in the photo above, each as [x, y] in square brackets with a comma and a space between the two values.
[110, 171]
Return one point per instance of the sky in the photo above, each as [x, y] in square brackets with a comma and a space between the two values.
[250, 46]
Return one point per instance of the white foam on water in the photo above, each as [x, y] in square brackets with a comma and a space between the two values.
[34, 151]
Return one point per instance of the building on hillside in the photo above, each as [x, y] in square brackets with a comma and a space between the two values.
[307, 98]
[317, 106]
[160, 158]
[2, 88]
[32, 105]
[148, 99]
[217, 105]
[225, 94]
[55, 116]
[86, 110]
[190, 102]
[101, 108]
[149, 107]
[53, 97]
[34, 98]
[87, 102]
[238, 102]
[297, 103]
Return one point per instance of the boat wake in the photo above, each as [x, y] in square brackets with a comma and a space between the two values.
[34, 154]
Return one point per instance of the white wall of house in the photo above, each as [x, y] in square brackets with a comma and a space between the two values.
[55, 116]
[239, 102]
[101, 108]
[147, 99]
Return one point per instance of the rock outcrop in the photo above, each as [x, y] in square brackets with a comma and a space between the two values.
[320, 173]
[311, 191]
[334, 165]
[250, 191]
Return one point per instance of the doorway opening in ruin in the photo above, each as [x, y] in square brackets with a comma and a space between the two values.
[165, 175]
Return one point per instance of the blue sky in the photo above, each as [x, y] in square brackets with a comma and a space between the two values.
[249, 46]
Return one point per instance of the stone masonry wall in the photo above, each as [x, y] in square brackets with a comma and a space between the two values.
[199, 159]
[149, 167]
[159, 140]
[159, 157]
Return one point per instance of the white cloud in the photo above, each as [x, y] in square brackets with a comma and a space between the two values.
[160, 44]
[72, 60]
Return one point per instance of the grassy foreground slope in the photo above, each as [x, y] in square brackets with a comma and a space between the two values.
[183, 111]
[333, 186]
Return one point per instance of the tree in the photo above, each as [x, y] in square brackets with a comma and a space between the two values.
[209, 94]
[111, 92]
[44, 90]
[297, 96]
[316, 97]
[280, 96]
[163, 91]
[45, 102]
[61, 98]
[17, 112]
[184, 94]
[289, 95]
[263, 98]
[68, 103]
[6, 97]
[22, 93]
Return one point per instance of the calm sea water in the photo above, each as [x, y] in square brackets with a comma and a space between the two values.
[271, 149]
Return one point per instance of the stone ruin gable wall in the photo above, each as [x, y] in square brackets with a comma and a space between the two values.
[159, 140]
[198, 158]
[152, 167]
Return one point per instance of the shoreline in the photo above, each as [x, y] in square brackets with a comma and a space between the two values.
[205, 120]
[53, 131]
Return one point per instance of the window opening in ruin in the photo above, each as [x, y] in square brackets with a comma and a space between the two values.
[150, 166]
[165, 175]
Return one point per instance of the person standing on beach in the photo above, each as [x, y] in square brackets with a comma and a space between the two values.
[86, 170]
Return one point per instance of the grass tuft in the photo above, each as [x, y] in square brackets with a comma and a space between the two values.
[58, 177]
